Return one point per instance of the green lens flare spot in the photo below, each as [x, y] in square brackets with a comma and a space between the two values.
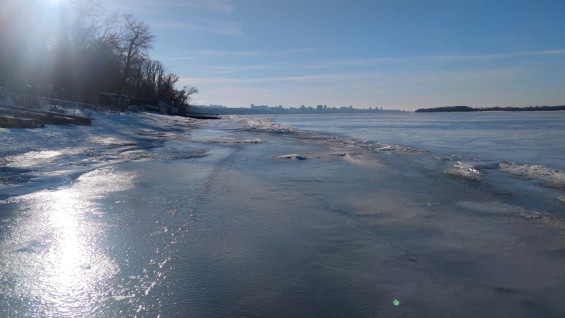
[396, 302]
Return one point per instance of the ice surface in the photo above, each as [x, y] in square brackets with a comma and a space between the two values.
[145, 215]
[463, 170]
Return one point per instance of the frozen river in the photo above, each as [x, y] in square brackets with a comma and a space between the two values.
[144, 215]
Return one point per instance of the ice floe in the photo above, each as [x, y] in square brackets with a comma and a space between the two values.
[553, 177]
[465, 171]
[295, 156]
[234, 141]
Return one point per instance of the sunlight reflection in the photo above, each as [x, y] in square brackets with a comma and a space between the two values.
[71, 256]
[74, 266]
[32, 158]
[59, 255]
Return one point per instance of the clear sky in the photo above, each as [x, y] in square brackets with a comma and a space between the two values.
[395, 54]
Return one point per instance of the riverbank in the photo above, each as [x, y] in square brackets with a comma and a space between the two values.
[43, 158]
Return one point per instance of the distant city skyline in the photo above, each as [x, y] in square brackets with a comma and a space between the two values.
[280, 109]
[394, 54]
[283, 106]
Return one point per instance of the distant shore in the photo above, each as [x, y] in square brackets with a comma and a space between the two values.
[447, 109]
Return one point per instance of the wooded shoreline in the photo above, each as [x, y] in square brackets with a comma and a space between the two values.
[447, 109]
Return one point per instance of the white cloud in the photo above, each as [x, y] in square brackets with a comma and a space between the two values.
[289, 52]
[429, 58]
[234, 69]
[206, 25]
[289, 61]
[171, 10]
[216, 6]
[409, 90]
[225, 7]
[365, 78]
[304, 78]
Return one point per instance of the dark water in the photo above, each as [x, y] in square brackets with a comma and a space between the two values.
[240, 232]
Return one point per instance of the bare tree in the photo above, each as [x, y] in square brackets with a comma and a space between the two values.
[150, 74]
[184, 95]
[167, 85]
[80, 53]
[135, 40]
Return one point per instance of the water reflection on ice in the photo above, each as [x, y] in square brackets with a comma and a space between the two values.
[32, 158]
[55, 262]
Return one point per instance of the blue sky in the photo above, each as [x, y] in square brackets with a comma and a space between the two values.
[395, 54]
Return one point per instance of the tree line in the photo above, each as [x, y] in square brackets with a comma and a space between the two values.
[72, 50]
[447, 109]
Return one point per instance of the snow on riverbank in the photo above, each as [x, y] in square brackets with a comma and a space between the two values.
[32, 158]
